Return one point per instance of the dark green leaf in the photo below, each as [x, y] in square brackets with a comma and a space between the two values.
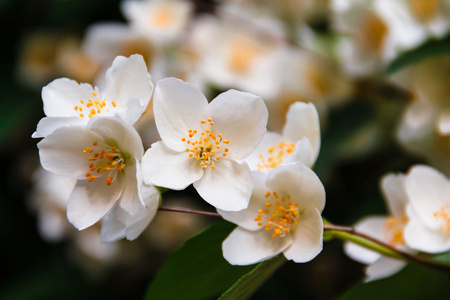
[198, 270]
[248, 284]
[445, 258]
[414, 282]
[430, 49]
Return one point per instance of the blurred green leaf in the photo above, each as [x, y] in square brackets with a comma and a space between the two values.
[250, 282]
[430, 49]
[413, 282]
[443, 257]
[198, 270]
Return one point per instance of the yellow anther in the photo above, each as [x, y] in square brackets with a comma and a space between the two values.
[113, 103]
[267, 195]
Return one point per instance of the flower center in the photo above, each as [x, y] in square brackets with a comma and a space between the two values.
[162, 17]
[104, 159]
[374, 31]
[393, 230]
[94, 106]
[424, 10]
[280, 216]
[277, 154]
[242, 55]
[205, 146]
[443, 216]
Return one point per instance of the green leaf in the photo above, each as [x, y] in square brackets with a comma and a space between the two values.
[413, 282]
[430, 49]
[249, 283]
[445, 258]
[198, 270]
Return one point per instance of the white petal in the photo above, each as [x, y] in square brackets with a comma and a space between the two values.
[91, 201]
[372, 226]
[241, 118]
[383, 267]
[300, 182]
[118, 133]
[304, 153]
[162, 166]
[61, 152]
[61, 96]
[302, 120]
[48, 124]
[227, 187]
[128, 78]
[177, 106]
[427, 190]
[112, 229]
[393, 187]
[244, 247]
[307, 237]
[139, 222]
[420, 237]
[246, 218]
[129, 200]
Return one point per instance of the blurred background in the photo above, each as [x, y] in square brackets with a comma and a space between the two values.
[361, 66]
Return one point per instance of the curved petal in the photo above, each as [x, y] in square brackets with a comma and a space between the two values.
[307, 241]
[128, 78]
[241, 118]
[227, 187]
[302, 120]
[61, 152]
[246, 218]
[48, 124]
[129, 200]
[164, 167]
[420, 237]
[393, 187]
[61, 96]
[177, 106]
[91, 201]
[118, 133]
[300, 182]
[427, 190]
[383, 267]
[140, 221]
[304, 153]
[244, 247]
[112, 229]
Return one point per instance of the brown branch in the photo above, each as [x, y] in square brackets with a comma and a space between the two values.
[188, 211]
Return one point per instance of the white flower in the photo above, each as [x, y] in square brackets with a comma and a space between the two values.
[300, 140]
[389, 229]
[283, 216]
[161, 21]
[127, 91]
[429, 210]
[104, 156]
[202, 143]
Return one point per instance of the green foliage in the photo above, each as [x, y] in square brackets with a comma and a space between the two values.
[198, 270]
[430, 49]
[250, 282]
[445, 258]
[414, 282]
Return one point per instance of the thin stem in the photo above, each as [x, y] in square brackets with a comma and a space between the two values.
[391, 251]
[188, 211]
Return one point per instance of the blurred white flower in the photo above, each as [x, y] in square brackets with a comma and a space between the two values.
[202, 143]
[429, 227]
[389, 229]
[127, 92]
[161, 21]
[283, 216]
